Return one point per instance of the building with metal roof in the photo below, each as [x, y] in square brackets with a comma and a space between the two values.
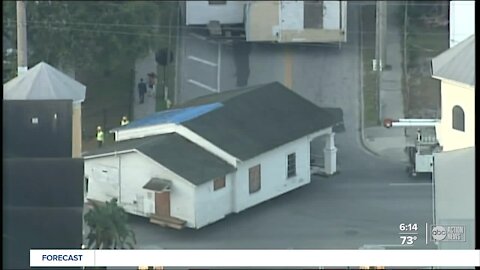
[455, 68]
[44, 82]
[457, 63]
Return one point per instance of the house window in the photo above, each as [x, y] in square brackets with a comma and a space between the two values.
[217, 2]
[458, 119]
[219, 183]
[86, 184]
[254, 179]
[291, 165]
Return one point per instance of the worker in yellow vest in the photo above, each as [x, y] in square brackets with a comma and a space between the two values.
[124, 121]
[100, 136]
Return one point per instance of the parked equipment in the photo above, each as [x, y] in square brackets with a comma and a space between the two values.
[420, 154]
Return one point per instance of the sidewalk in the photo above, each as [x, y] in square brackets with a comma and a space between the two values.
[390, 143]
[142, 68]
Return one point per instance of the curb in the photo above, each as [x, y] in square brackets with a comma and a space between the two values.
[362, 108]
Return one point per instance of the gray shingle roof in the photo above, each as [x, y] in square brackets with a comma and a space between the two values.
[44, 82]
[457, 63]
[173, 151]
[257, 119]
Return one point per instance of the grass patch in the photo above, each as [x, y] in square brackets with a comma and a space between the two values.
[370, 85]
[424, 42]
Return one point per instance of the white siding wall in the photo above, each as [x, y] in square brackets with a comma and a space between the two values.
[213, 205]
[291, 15]
[331, 17]
[136, 171]
[102, 178]
[200, 12]
[273, 174]
[454, 195]
[462, 21]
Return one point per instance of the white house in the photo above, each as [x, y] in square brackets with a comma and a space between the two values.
[215, 155]
[454, 167]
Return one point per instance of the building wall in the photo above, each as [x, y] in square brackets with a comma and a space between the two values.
[213, 205]
[77, 131]
[462, 21]
[102, 174]
[262, 20]
[456, 94]
[454, 185]
[136, 171]
[273, 174]
[283, 21]
[291, 15]
[331, 18]
[201, 12]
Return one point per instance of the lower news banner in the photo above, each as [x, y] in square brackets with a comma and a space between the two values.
[63, 258]
[259, 258]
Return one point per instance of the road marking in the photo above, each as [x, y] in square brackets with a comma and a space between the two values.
[203, 85]
[206, 62]
[198, 36]
[410, 184]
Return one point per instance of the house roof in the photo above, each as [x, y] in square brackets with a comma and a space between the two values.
[44, 82]
[176, 153]
[457, 63]
[174, 116]
[257, 119]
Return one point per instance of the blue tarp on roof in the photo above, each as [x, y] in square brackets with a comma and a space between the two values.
[175, 116]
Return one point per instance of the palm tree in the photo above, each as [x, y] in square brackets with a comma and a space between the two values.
[108, 227]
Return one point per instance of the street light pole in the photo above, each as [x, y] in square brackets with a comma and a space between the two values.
[21, 38]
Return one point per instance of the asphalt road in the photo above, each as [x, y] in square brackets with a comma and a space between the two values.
[362, 205]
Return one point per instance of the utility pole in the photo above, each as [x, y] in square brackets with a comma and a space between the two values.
[21, 38]
[165, 80]
[381, 30]
[380, 48]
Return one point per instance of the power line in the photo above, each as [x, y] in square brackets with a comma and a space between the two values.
[165, 36]
[64, 24]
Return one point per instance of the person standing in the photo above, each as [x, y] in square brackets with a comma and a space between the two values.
[152, 81]
[142, 89]
[100, 136]
[124, 121]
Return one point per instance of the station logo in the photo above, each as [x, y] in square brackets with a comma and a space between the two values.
[448, 233]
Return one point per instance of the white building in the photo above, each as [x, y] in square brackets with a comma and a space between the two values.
[455, 68]
[272, 21]
[454, 167]
[296, 21]
[224, 12]
[215, 155]
[462, 21]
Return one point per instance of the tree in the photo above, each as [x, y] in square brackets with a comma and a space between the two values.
[95, 35]
[108, 227]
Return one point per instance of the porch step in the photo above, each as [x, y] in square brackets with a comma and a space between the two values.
[165, 221]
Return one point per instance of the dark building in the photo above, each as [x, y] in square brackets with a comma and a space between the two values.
[42, 183]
